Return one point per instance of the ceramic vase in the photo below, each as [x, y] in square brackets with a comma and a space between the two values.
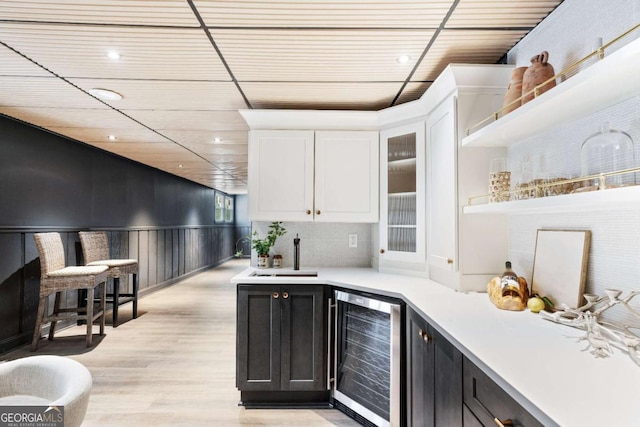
[514, 91]
[539, 72]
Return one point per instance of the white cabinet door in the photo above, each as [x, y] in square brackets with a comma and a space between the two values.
[281, 175]
[402, 200]
[442, 189]
[464, 251]
[346, 178]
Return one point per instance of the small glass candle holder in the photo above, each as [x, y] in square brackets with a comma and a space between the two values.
[499, 181]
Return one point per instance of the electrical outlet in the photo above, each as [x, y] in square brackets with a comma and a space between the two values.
[353, 240]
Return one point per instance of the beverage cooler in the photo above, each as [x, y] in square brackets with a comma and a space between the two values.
[367, 358]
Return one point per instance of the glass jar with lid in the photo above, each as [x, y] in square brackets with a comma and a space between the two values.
[608, 150]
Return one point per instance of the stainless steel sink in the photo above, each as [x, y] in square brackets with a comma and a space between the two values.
[272, 272]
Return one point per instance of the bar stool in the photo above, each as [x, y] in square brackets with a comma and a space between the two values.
[56, 278]
[95, 249]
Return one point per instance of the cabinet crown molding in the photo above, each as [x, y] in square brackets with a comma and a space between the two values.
[453, 77]
[310, 119]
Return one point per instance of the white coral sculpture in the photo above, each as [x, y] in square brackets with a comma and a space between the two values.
[601, 335]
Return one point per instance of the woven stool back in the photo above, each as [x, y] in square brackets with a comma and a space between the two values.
[51, 252]
[95, 246]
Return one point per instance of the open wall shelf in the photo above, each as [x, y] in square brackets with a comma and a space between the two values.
[577, 202]
[605, 83]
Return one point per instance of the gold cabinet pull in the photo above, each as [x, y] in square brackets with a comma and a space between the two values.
[449, 261]
[318, 212]
[276, 295]
[308, 211]
[381, 251]
[505, 423]
[285, 295]
[425, 336]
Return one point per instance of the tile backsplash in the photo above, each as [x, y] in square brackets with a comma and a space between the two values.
[321, 244]
[568, 34]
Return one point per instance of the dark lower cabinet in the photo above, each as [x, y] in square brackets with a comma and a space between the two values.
[468, 419]
[434, 377]
[487, 404]
[281, 343]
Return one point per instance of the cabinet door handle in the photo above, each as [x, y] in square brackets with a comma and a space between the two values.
[276, 295]
[449, 261]
[318, 212]
[505, 423]
[285, 295]
[381, 251]
[308, 211]
[329, 305]
[425, 336]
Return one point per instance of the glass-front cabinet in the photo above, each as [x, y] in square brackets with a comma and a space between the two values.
[402, 181]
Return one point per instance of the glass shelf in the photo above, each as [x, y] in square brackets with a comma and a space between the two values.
[406, 193]
[403, 163]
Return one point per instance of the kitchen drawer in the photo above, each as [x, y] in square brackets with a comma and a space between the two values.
[489, 402]
[468, 419]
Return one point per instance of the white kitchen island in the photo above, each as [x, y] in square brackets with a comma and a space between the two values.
[542, 365]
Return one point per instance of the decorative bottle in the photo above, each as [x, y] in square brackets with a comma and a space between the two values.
[509, 282]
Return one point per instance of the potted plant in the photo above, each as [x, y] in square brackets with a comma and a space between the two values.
[263, 246]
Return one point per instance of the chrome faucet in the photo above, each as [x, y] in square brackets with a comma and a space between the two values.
[296, 253]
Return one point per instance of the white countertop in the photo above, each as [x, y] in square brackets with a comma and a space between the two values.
[541, 364]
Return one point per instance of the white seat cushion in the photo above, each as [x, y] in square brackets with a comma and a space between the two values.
[78, 271]
[114, 262]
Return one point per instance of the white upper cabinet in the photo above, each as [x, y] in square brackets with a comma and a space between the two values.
[302, 175]
[442, 177]
[281, 165]
[464, 252]
[402, 203]
[346, 176]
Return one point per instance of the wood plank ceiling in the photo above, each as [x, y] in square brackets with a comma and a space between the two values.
[187, 66]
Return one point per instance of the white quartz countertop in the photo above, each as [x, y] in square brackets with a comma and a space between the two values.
[541, 364]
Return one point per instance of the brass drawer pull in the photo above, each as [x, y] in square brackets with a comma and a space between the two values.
[285, 295]
[505, 423]
[318, 212]
[276, 295]
[308, 211]
[449, 261]
[381, 251]
[425, 336]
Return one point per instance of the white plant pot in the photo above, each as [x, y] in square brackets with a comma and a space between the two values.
[263, 261]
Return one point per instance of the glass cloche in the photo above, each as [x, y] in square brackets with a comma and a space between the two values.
[608, 150]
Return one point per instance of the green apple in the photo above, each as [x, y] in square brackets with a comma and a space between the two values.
[535, 304]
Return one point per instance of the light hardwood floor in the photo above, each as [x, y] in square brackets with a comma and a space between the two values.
[175, 364]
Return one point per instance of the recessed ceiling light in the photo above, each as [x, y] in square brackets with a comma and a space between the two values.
[112, 54]
[403, 59]
[217, 140]
[105, 94]
[112, 138]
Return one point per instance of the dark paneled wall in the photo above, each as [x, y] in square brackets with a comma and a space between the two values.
[51, 183]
